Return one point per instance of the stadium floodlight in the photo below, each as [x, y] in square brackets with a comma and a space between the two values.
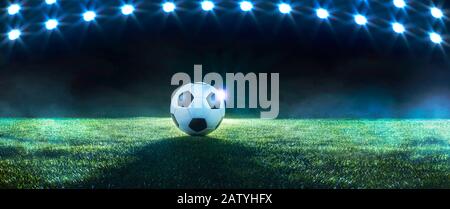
[168, 7]
[89, 16]
[435, 38]
[207, 5]
[284, 8]
[50, 2]
[51, 24]
[14, 9]
[360, 19]
[436, 13]
[127, 9]
[398, 27]
[14, 34]
[322, 13]
[246, 6]
[399, 3]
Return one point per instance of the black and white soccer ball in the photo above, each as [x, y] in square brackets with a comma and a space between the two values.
[197, 108]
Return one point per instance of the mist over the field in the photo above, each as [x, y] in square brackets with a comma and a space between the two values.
[137, 83]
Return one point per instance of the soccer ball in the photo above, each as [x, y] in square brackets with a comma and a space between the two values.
[197, 108]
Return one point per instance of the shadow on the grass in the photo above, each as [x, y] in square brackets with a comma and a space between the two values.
[203, 162]
[188, 162]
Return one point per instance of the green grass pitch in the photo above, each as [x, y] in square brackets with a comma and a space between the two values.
[242, 153]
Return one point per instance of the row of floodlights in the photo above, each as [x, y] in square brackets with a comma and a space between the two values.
[245, 6]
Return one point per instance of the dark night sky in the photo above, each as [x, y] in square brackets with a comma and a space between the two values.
[121, 67]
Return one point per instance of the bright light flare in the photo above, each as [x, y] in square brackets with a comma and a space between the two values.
[50, 2]
[435, 38]
[398, 27]
[399, 3]
[284, 8]
[246, 6]
[14, 34]
[127, 9]
[221, 95]
[89, 16]
[436, 13]
[360, 19]
[207, 5]
[14, 9]
[168, 7]
[51, 24]
[322, 13]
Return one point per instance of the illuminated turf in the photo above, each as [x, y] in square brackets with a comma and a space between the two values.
[151, 152]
